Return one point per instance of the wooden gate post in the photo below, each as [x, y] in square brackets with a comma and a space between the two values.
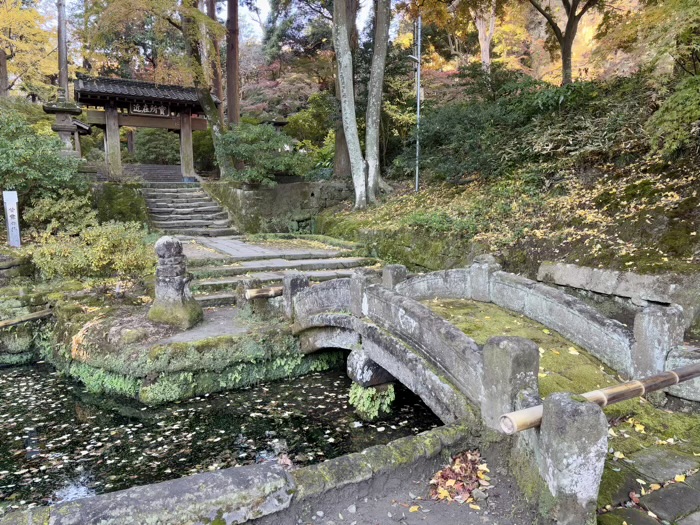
[186, 151]
[113, 155]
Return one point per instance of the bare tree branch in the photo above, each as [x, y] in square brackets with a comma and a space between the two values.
[550, 19]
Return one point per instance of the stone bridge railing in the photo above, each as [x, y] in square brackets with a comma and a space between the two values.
[435, 359]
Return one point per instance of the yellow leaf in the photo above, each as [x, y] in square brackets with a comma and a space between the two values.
[443, 494]
[484, 467]
[415, 508]
[573, 351]
[680, 478]
[611, 432]
[473, 506]
[654, 486]
[639, 428]
[555, 352]
[618, 455]
[641, 481]
[541, 350]
[541, 375]
[546, 331]
[450, 483]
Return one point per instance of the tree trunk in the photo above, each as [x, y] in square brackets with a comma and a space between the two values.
[190, 33]
[485, 22]
[233, 101]
[343, 53]
[567, 45]
[216, 79]
[341, 161]
[382, 9]
[4, 75]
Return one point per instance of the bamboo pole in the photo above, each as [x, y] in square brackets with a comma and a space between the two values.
[532, 417]
[264, 293]
[26, 318]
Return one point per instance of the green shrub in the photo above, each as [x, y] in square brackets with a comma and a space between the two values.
[676, 124]
[69, 213]
[263, 152]
[314, 123]
[322, 157]
[32, 163]
[105, 250]
[156, 146]
[204, 155]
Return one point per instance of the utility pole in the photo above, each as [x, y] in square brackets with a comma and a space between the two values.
[418, 95]
[62, 51]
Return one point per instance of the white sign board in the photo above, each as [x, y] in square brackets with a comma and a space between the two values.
[12, 217]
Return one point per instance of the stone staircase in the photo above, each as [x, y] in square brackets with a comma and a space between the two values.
[183, 208]
[154, 172]
[215, 281]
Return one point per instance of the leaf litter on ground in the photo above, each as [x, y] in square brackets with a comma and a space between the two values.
[458, 481]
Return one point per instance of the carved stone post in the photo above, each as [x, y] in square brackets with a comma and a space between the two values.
[174, 303]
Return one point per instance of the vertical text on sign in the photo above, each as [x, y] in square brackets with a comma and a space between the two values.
[12, 218]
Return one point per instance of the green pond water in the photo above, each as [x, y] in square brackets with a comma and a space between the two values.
[59, 443]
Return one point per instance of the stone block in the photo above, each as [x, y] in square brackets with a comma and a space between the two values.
[658, 465]
[393, 274]
[329, 296]
[677, 358]
[673, 502]
[292, 283]
[573, 445]
[481, 271]
[366, 372]
[358, 284]
[510, 366]
[604, 281]
[321, 338]
[510, 291]
[657, 330]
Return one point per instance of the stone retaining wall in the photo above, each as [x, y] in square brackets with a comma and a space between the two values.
[282, 208]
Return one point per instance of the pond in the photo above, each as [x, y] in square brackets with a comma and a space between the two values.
[59, 443]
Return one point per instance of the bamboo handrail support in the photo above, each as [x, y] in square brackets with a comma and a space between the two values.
[526, 418]
[34, 316]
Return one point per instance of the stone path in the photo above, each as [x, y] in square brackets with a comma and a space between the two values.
[219, 264]
[675, 503]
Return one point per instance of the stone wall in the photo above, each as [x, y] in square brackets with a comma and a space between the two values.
[283, 208]
[641, 290]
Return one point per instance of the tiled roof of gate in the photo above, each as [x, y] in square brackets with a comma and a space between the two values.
[86, 88]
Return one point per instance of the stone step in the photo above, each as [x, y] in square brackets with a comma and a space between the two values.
[216, 299]
[190, 223]
[177, 197]
[168, 184]
[210, 286]
[272, 265]
[184, 189]
[203, 232]
[181, 210]
[167, 202]
[194, 216]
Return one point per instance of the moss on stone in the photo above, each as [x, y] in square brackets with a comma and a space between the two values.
[184, 315]
[102, 382]
[371, 402]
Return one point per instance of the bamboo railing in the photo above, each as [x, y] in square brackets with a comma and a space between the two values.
[264, 293]
[519, 420]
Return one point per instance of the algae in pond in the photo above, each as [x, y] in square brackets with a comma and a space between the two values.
[60, 442]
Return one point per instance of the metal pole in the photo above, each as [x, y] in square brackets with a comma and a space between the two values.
[62, 51]
[418, 53]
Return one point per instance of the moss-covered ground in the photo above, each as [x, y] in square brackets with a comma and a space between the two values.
[644, 217]
[635, 425]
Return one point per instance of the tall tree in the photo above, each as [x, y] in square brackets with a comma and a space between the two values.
[484, 16]
[233, 92]
[574, 10]
[24, 47]
[216, 77]
[382, 21]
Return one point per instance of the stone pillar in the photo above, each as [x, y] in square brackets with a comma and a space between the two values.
[292, 283]
[510, 366]
[174, 303]
[393, 274]
[573, 444]
[657, 330]
[113, 154]
[365, 372]
[76, 140]
[358, 283]
[130, 141]
[482, 269]
[186, 151]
